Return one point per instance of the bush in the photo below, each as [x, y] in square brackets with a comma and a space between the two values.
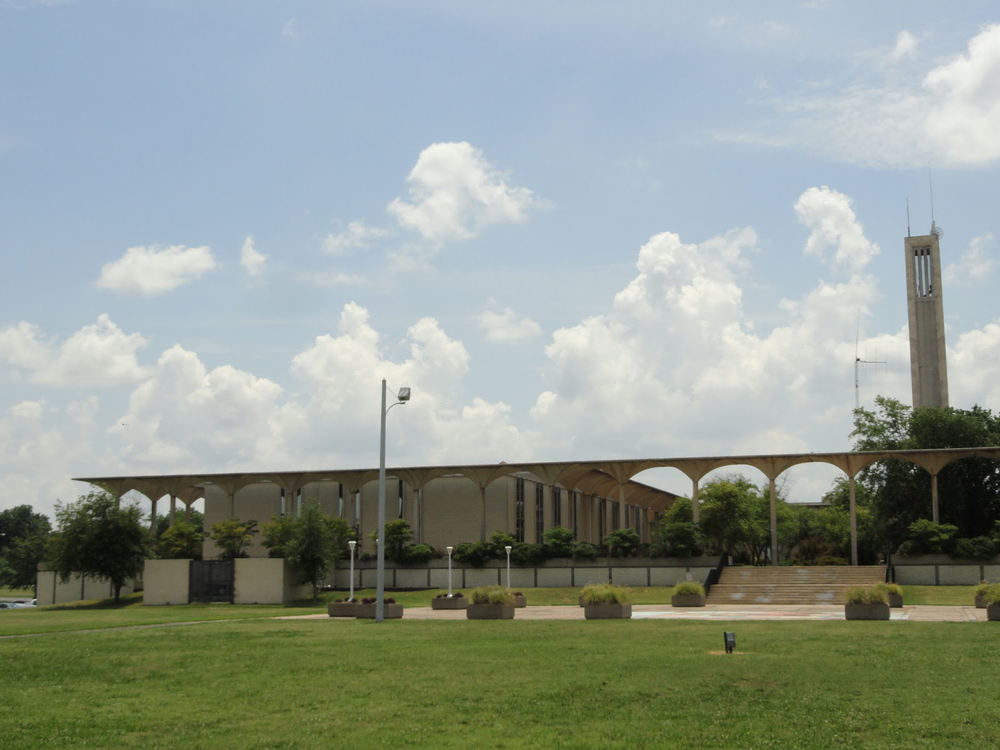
[992, 595]
[473, 553]
[397, 538]
[685, 588]
[584, 551]
[605, 593]
[893, 589]
[929, 538]
[492, 595]
[622, 543]
[866, 595]
[682, 539]
[180, 541]
[232, 537]
[528, 554]
[559, 542]
[980, 548]
[456, 595]
[415, 554]
[498, 543]
[830, 560]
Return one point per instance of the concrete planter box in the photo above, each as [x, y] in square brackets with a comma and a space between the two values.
[367, 611]
[343, 609]
[993, 612]
[607, 611]
[490, 612]
[443, 602]
[866, 611]
[520, 601]
[687, 600]
[980, 604]
[895, 601]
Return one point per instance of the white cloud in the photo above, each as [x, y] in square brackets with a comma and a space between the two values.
[454, 193]
[97, 355]
[906, 45]
[503, 325]
[288, 30]
[332, 278]
[950, 116]
[356, 235]
[830, 217]
[251, 260]
[151, 270]
[975, 265]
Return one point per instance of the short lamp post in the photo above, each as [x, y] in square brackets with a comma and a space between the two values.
[352, 544]
[401, 398]
[508, 548]
[449, 570]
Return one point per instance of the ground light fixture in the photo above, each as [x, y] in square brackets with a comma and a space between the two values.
[508, 548]
[449, 570]
[352, 544]
[730, 640]
[401, 398]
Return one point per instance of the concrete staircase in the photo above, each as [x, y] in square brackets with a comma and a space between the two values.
[811, 584]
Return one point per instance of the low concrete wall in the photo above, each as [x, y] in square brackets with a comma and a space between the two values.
[167, 582]
[633, 571]
[942, 570]
[77, 588]
[266, 580]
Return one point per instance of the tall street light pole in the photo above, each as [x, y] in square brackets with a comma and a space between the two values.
[402, 397]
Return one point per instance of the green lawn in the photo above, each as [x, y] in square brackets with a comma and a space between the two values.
[511, 684]
[956, 595]
[21, 593]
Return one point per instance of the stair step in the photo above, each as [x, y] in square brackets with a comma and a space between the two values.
[791, 585]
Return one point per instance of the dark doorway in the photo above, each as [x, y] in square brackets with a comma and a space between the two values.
[211, 581]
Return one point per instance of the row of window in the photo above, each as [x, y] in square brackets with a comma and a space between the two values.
[633, 519]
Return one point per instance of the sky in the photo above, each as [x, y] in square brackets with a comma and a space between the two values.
[577, 230]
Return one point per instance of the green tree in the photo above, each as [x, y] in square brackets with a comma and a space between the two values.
[315, 544]
[233, 536]
[397, 537]
[97, 537]
[182, 541]
[559, 541]
[622, 543]
[23, 538]
[163, 521]
[276, 534]
[968, 490]
[677, 535]
[725, 512]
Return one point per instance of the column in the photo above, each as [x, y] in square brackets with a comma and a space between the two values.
[695, 507]
[934, 500]
[854, 522]
[624, 522]
[173, 510]
[774, 522]
[482, 514]
[152, 517]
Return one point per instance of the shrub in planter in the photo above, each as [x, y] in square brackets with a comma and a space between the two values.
[528, 554]
[603, 601]
[991, 598]
[443, 601]
[622, 543]
[893, 592]
[866, 603]
[520, 600]
[391, 610]
[979, 548]
[490, 603]
[980, 593]
[688, 594]
[559, 542]
[498, 542]
[343, 608]
[415, 554]
[584, 551]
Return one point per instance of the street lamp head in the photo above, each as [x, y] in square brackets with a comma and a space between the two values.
[404, 393]
[352, 544]
[449, 549]
[508, 548]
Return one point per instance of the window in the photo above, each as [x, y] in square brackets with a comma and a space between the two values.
[638, 521]
[519, 509]
[573, 513]
[556, 506]
[281, 501]
[400, 503]
[600, 520]
[340, 500]
[539, 512]
[615, 516]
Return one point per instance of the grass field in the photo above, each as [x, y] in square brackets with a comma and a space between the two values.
[505, 684]
[21, 593]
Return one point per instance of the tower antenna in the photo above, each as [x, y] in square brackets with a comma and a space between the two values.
[930, 182]
[908, 217]
[858, 361]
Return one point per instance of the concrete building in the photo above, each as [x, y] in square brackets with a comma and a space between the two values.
[925, 305]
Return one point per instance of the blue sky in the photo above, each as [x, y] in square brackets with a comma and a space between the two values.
[577, 230]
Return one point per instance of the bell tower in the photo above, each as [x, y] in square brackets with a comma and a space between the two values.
[928, 364]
